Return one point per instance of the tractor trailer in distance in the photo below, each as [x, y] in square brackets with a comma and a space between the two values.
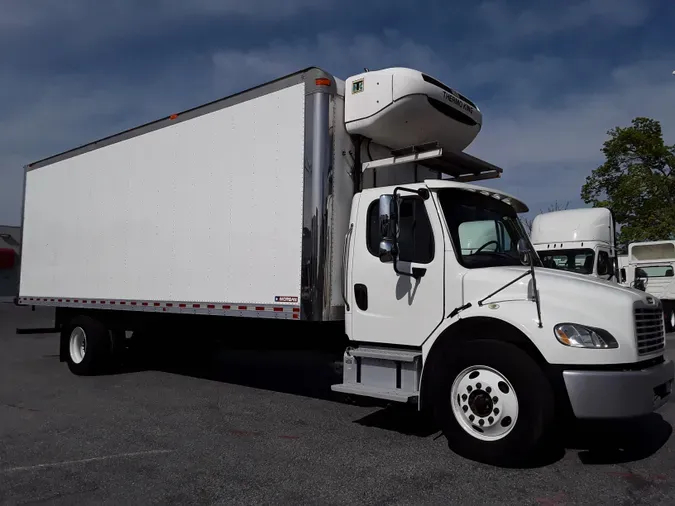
[316, 200]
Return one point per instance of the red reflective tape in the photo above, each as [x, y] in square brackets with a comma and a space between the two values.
[133, 303]
[296, 309]
[169, 304]
[113, 302]
[156, 304]
[181, 305]
[51, 300]
[279, 309]
[144, 303]
[226, 307]
[196, 305]
[123, 302]
[242, 307]
[60, 300]
[296, 316]
[259, 308]
[211, 306]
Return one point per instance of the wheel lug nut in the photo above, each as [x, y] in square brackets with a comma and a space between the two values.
[471, 417]
[469, 388]
[465, 408]
[495, 399]
[488, 390]
[464, 397]
[481, 422]
[490, 419]
[496, 411]
[478, 385]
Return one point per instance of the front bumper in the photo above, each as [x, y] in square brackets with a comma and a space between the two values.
[619, 394]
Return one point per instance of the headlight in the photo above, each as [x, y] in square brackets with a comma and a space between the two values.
[578, 336]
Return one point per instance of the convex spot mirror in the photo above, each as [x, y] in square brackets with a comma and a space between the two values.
[524, 252]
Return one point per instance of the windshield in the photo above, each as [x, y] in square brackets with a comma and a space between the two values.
[484, 231]
[655, 271]
[573, 260]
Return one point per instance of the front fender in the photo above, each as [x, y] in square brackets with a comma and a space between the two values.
[479, 324]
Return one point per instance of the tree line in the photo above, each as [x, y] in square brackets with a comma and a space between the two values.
[636, 181]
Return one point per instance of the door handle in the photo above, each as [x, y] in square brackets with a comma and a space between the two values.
[361, 296]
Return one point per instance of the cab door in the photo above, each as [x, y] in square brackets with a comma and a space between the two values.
[390, 307]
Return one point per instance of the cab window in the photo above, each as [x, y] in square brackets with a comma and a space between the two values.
[416, 238]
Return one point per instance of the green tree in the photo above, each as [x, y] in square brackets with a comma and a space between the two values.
[637, 182]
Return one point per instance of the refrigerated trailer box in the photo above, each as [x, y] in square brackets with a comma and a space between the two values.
[317, 200]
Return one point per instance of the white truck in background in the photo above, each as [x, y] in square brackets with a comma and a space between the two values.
[577, 240]
[651, 266]
[315, 200]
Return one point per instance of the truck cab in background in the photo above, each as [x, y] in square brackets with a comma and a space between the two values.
[577, 240]
[650, 266]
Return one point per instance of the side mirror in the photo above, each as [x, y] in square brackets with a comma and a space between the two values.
[388, 225]
[524, 252]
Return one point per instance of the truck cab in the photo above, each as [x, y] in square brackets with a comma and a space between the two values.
[449, 306]
[650, 266]
[577, 240]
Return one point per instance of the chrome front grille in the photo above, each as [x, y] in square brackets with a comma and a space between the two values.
[649, 330]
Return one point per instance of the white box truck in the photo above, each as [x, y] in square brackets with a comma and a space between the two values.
[651, 266]
[577, 240]
[319, 200]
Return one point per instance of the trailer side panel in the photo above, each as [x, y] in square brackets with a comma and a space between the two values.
[181, 214]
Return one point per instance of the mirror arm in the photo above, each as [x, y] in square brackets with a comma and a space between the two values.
[536, 293]
[422, 192]
[482, 301]
[417, 272]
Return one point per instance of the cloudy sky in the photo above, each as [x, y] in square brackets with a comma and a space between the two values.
[550, 77]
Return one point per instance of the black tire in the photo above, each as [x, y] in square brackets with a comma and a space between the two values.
[536, 405]
[98, 355]
[669, 316]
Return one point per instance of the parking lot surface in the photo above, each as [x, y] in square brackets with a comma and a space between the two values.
[252, 427]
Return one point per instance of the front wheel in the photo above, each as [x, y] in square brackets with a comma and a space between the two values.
[493, 402]
[669, 313]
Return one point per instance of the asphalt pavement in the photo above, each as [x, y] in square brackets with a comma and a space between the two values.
[252, 427]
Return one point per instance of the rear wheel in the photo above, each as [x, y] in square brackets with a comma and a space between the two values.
[493, 402]
[89, 346]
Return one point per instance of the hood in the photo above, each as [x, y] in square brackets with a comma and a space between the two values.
[478, 283]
